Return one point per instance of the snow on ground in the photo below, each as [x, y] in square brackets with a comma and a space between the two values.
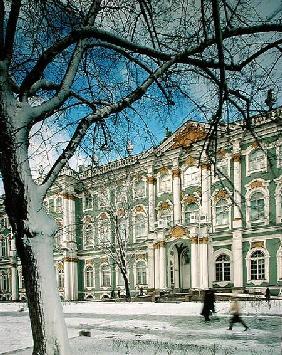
[152, 328]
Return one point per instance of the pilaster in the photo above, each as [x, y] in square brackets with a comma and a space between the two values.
[176, 193]
[151, 196]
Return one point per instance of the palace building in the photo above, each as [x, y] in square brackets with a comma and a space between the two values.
[188, 222]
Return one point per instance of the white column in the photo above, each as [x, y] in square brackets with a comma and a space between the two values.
[237, 222]
[151, 268]
[194, 259]
[206, 196]
[204, 272]
[157, 265]
[176, 195]
[70, 260]
[162, 265]
[14, 271]
[151, 198]
[237, 256]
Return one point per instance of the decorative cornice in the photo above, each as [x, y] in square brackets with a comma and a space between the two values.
[176, 172]
[163, 170]
[203, 240]
[70, 259]
[162, 244]
[190, 134]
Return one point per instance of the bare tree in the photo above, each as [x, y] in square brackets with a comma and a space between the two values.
[83, 64]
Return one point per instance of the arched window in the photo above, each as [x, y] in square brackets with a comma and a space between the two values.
[191, 176]
[59, 204]
[257, 160]
[141, 273]
[222, 268]
[257, 265]
[165, 183]
[89, 276]
[58, 238]
[140, 226]
[51, 205]
[222, 212]
[165, 217]
[88, 235]
[104, 231]
[88, 201]
[191, 213]
[60, 275]
[105, 276]
[257, 207]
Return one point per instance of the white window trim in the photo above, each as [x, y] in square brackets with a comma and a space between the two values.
[84, 235]
[279, 263]
[85, 278]
[214, 203]
[122, 189]
[215, 175]
[216, 254]
[101, 279]
[135, 273]
[264, 190]
[144, 180]
[248, 151]
[105, 191]
[83, 201]
[184, 170]
[279, 161]
[159, 210]
[146, 225]
[278, 198]
[266, 264]
[100, 221]
[184, 205]
[159, 192]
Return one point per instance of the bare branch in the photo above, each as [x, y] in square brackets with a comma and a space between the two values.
[11, 28]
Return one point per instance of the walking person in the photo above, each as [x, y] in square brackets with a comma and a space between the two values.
[235, 312]
[267, 294]
[208, 305]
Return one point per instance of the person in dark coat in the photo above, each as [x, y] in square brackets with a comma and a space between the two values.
[267, 294]
[208, 305]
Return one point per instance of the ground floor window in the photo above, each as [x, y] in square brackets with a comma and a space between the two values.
[105, 276]
[222, 268]
[257, 265]
[141, 273]
[89, 276]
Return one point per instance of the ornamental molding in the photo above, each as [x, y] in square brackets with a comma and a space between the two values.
[178, 232]
[139, 209]
[194, 240]
[120, 212]
[68, 196]
[151, 179]
[88, 219]
[221, 195]
[236, 157]
[163, 170]
[256, 184]
[89, 262]
[190, 199]
[257, 244]
[206, 166]
[190, 134]
[221, 153]
[165, 205]
[103, 216]
[190, 161]
[140, 257]
[203, 240]
[176, 172]
[104, 259]
[70, 259]
[255, 144]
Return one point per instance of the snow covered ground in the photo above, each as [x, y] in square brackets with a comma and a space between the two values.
[152, 328]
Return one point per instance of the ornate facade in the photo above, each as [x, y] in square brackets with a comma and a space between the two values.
[189, 222]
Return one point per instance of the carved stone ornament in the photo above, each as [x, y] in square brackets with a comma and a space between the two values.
[120, 212]
[176, 172]
[206, 166]
[221, 153]
[162, 244]
[103, 216]
[190, 161]
[257, 244]
[60, 265]
[163, 170]
[89, 262]
[151, 179]
[194, 240]
[139, 209]
[70, 259]
[190, 199]
[190, 134]
[68, 196]
[87, 219]
[104, 259]
[140, 256]
[255, 144]
[256, 184]
[221, 195]
[164, 206]
[236, 157]
[178, 232]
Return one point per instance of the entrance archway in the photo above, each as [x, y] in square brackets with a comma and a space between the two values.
[179, 266]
